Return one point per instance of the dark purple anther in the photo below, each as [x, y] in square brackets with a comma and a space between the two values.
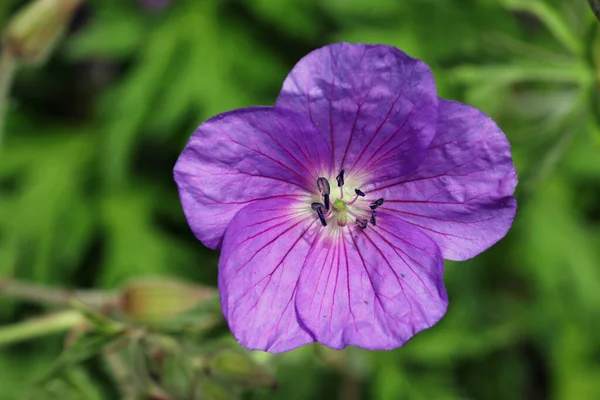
[361, 222]
[340, 179]
[376, 203]
[321, 216]
[323, 185]
[359, 192]
[324, 189]
[373, 221]
[316, 205]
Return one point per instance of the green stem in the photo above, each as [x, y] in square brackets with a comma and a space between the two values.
[7, 71]
[121, 374]
[96, 299]
[41, 326]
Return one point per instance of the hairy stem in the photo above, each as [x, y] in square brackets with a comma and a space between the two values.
[96, 299]
[41, 326]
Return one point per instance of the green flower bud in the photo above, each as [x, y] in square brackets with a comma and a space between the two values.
[236, 368]
[34, 31]
[159, 300]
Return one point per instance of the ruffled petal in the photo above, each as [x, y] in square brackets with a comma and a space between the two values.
[374, 288]
[243, 156]
[375, 104]
[263, 251]
[462, 193]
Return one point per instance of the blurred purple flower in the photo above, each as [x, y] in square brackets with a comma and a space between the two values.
[154, 5]
[334, 208]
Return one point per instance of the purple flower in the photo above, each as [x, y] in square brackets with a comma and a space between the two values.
[333, 209]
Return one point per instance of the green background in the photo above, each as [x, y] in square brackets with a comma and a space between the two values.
[87, 198]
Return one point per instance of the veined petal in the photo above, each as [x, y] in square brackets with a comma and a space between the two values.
[375, 104]
[243, 156]
[462, 193]
[374, 287]
[263, 251]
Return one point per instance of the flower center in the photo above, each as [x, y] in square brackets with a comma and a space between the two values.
[341, 211]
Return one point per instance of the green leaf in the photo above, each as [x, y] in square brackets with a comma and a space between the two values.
[299, 21]
[236, 368]
[85, 346]
[112, 34]
[551, 18]
[135, 246]
[214, 391]
[523, 71]
[74, 384]
[50, 200]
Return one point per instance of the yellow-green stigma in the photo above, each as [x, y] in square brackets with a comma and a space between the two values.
[341, 208]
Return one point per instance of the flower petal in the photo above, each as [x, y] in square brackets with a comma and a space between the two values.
[374, 287]
[462, 193]
[263, 251]
[242, 156]
[377, 106]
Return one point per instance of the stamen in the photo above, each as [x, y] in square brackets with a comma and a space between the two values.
[321, 216]
[376, 203]
[359, 193]
[361, 222]
[340, 179]
[373, 221]
[324, 189]
[316, 205]
[323, 185]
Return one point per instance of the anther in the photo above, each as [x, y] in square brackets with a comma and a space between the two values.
[316, 206]
[323, 185]
[361, 222]
[321, 216]
[373, 221]
[376, 203]
[324, 189]
[340, 179]
[359, 192]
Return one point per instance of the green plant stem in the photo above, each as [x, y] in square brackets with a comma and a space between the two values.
[7, 71]
[41, 326]
[121, 373]
[96, 299]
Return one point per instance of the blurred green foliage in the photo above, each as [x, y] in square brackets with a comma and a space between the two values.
[87, 198]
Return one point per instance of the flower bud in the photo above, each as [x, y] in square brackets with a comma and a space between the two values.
[33, 32]
[159, 300]
[236, 368]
